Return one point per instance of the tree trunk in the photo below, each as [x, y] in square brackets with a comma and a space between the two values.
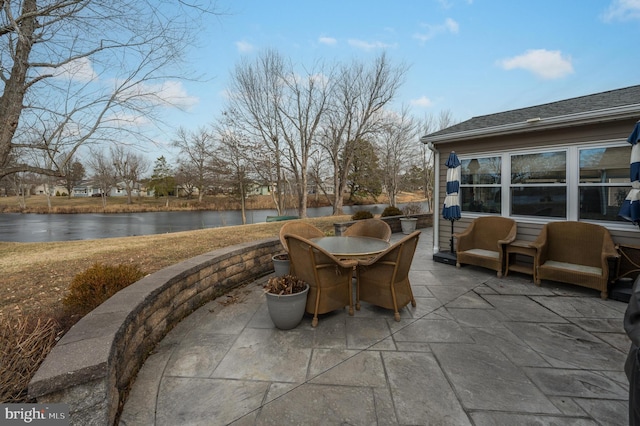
[12, 97]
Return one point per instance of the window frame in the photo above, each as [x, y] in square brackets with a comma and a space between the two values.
[572, 184]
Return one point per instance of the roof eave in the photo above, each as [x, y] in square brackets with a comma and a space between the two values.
[539, 124]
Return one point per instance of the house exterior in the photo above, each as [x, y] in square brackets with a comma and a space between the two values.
[561, 161]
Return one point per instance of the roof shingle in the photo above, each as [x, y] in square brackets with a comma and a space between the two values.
[594, 102]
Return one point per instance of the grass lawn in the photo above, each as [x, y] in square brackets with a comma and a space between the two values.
[35, 276]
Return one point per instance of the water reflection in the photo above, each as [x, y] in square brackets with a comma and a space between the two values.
[17, 227]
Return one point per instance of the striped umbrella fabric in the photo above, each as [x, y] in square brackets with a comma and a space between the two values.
[451, 208]
[630, 209]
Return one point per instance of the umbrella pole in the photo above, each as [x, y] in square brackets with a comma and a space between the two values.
[451, 236]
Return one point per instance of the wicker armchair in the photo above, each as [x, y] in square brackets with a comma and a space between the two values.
[299, 228]
[575, 253]
[483, 242]
[329, 278]
[375, 228]
[384, 280]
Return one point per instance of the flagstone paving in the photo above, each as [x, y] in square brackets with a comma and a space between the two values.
[476, 350]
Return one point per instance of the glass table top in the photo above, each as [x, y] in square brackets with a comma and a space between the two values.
[351, 246]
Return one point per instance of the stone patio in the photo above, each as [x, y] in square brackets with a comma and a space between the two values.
[476, 350]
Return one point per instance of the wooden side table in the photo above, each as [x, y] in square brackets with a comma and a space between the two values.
[524, 248]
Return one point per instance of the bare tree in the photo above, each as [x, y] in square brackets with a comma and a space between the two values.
[73, 174]
[397, 142]
[359, 94]
[256, 93]
[197, 149]
[104, 174]
[76, 72]
[187, 179]
[233, 149]
[300, 115]
[129, 168]
[429, 125]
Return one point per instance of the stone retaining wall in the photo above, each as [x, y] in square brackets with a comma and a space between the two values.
[425, 220]
[93, 365]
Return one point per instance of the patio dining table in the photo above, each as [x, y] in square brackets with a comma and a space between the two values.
[352, 247]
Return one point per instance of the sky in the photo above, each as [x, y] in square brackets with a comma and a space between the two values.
[468, 57]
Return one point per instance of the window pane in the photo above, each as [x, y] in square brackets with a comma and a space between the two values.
[605, 165]
[602, 202]
[480, 199]
[548, 167]
[539, 201]
[480, 171]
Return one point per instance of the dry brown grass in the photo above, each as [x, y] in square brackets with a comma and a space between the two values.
[23, 347]
[35, 276]
[39, 204]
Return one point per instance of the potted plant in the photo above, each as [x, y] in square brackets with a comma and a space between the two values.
[286, 300]
[281, 264]
[408, 223]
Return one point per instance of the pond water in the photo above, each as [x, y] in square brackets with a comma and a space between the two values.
[19, 227]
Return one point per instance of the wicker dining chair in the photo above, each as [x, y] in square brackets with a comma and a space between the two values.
[299, 228]
[384, 280]
[329, 278]
[375, 228]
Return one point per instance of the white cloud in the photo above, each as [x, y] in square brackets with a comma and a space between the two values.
[78, 70]
[244, 46]
[546, 64]
[449, 26]
[174, 93]
[327, 40]
[168, 93]
[622, 10]
[422, 102]
[123, 120]
[366, 45]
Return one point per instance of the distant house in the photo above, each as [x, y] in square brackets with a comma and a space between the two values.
[52, 190]
[565, 160]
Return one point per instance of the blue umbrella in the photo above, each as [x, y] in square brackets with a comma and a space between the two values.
[630, 209]
[451, 209]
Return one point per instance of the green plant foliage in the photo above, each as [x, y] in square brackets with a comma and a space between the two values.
[362, 214]
[391, 211]
[98, 283]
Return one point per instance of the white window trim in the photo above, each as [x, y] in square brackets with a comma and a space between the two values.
[572, 182]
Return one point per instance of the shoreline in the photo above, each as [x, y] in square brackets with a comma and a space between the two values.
[37, 204]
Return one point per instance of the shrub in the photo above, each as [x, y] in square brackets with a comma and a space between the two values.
[391, 211]
[25, 341]
[362, 214]
[98, 283]
[412, 208]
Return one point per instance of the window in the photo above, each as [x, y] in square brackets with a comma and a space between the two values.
[480, 185]
[604, 182]
[539, 184]
[587, 182]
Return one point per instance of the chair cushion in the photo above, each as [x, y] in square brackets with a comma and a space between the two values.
[574, 267]
[483, 253]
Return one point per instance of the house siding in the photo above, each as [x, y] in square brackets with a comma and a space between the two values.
[549, 139]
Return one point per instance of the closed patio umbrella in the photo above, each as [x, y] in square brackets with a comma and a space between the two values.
[630, 209]
[451, 209]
